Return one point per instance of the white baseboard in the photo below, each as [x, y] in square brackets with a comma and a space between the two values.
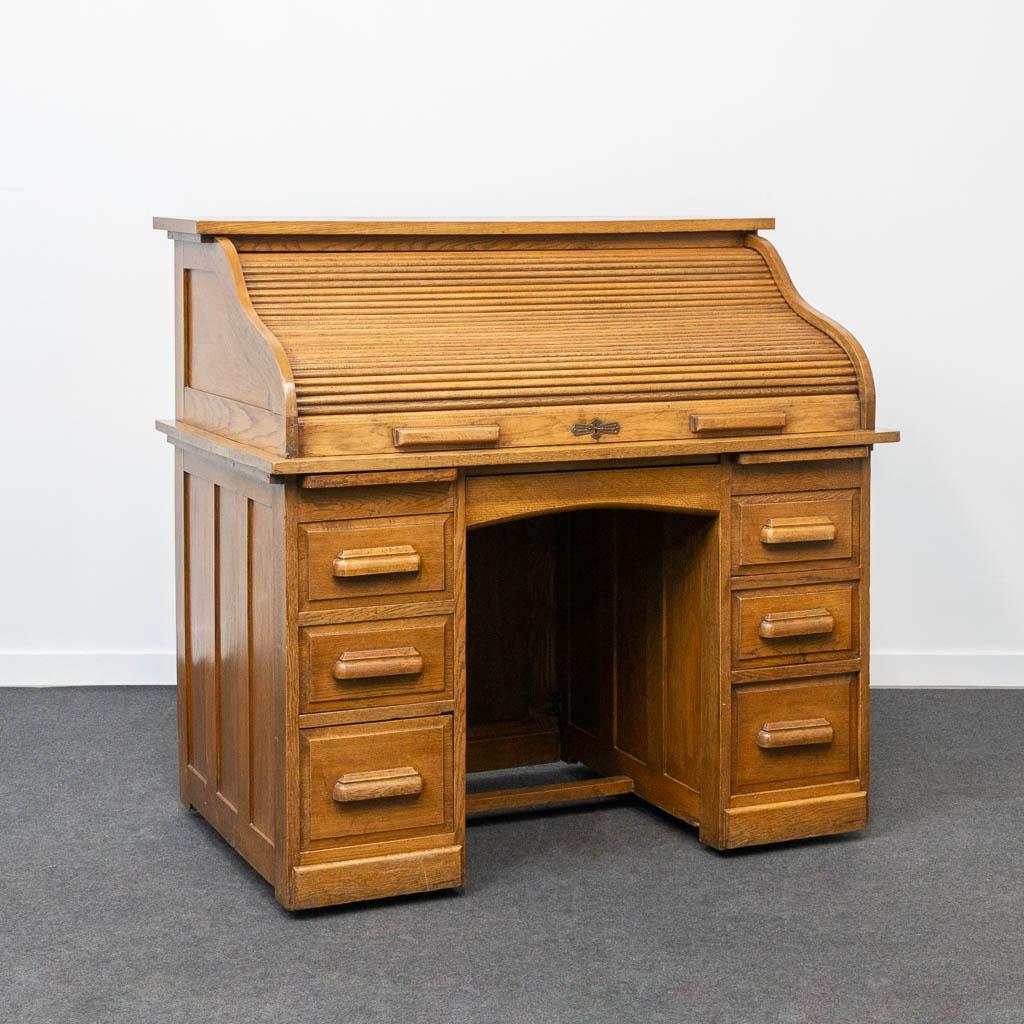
[87, 668]
[154, 668]
[955, 669]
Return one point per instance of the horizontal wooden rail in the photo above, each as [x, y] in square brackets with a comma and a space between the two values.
[809, 455]
[181, 433]
[328, 481]
[543, 796]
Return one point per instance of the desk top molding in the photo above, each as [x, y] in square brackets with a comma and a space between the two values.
[414, 226]
[264, 462]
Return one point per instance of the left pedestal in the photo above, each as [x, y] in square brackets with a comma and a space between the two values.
[317, 678]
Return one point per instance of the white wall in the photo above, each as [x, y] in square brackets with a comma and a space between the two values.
[886, 138]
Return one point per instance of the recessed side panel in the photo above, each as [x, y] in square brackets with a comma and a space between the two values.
[233, 378]
[589, 621]
[642, 642]
[640, 633]
[691, 642]
[511, 637]
[231, 654]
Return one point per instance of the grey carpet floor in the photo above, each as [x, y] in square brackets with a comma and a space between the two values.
[117, 905]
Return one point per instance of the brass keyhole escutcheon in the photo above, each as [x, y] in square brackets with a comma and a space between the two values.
[596, 428]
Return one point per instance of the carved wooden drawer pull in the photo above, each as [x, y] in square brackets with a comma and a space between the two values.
[392, 661]
[445, 437]
[401, 558]
[723, 422]
[806, 732]
[808, 622]
[378, 785]
[798, 530]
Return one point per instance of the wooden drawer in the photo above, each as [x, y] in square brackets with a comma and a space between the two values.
[376, 663]
[795, 733]
[818, 529]
[795, 624]
[389, 561]
[381, 780]
[574, 423]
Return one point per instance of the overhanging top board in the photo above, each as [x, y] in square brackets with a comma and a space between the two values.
[177, 225]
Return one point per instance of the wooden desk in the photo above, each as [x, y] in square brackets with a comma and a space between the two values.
[458, 497]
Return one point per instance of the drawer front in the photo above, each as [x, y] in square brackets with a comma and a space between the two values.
[577, 424]
[798, 531]
[378, 781]
[795, 624]
[394, 560]
[638, 424]
[800, 732]
[376, 664]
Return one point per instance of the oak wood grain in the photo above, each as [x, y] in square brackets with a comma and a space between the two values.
[463, 227]
[385, 560]
[376, 663]
[512, 674]
[374, 877]
[180, 432]
[397, 559]
[493, 499]
[799, 622]
[378, 784]
[420, 745]
[335, 481]
[467, 436]
[812, 455]
[762, 767]
[557, 424]
[734, 422]
[546, 796]
[826, 324]
[794, 819]
[501, 493]
[797, 530]
[804, 732]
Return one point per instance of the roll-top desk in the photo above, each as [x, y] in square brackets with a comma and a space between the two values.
[465, 496]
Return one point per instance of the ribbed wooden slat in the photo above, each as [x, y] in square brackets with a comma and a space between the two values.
[586, 398]
[368, 332]
[610, 373]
